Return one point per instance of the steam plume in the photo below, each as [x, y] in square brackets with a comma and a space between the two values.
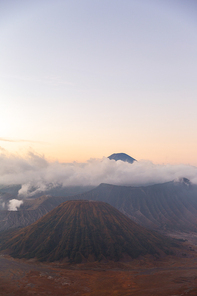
[14, 204]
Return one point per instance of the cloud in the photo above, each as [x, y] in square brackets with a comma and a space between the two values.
[14, 204]
[36, 174]
[18, 140]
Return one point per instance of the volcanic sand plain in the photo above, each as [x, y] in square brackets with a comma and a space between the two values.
[167, 275]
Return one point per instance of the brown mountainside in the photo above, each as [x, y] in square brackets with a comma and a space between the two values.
[85, 230]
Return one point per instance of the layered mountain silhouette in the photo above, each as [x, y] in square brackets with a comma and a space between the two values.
[122, 156]
[30, 211]
[85, 230]
[170, 206]
[13, 192]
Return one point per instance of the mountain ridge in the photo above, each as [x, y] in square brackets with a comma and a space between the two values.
[170, 206]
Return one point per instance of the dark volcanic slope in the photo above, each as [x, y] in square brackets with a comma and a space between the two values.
[168, 206]
[122, 156]
[85, 229]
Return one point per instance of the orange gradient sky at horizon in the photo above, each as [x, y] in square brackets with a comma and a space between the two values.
[86, 79]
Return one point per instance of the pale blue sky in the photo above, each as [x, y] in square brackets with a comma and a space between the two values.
[90, 78]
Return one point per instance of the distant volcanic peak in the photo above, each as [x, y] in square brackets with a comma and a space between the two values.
[122, 156]
[79, 230]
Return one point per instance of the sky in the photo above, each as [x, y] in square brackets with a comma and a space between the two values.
[85, 79]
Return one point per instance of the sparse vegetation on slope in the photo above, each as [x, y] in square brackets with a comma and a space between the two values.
[83, 230]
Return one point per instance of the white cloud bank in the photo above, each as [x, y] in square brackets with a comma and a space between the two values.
[35, 171]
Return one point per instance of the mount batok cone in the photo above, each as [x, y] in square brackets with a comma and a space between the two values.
[83, 231]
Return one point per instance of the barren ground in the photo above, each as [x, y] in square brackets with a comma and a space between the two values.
[170, 275]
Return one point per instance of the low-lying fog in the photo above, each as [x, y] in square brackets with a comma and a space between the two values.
[35, 171]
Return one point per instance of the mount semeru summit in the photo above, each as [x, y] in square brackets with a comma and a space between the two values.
[85, 231]
[122, 156]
